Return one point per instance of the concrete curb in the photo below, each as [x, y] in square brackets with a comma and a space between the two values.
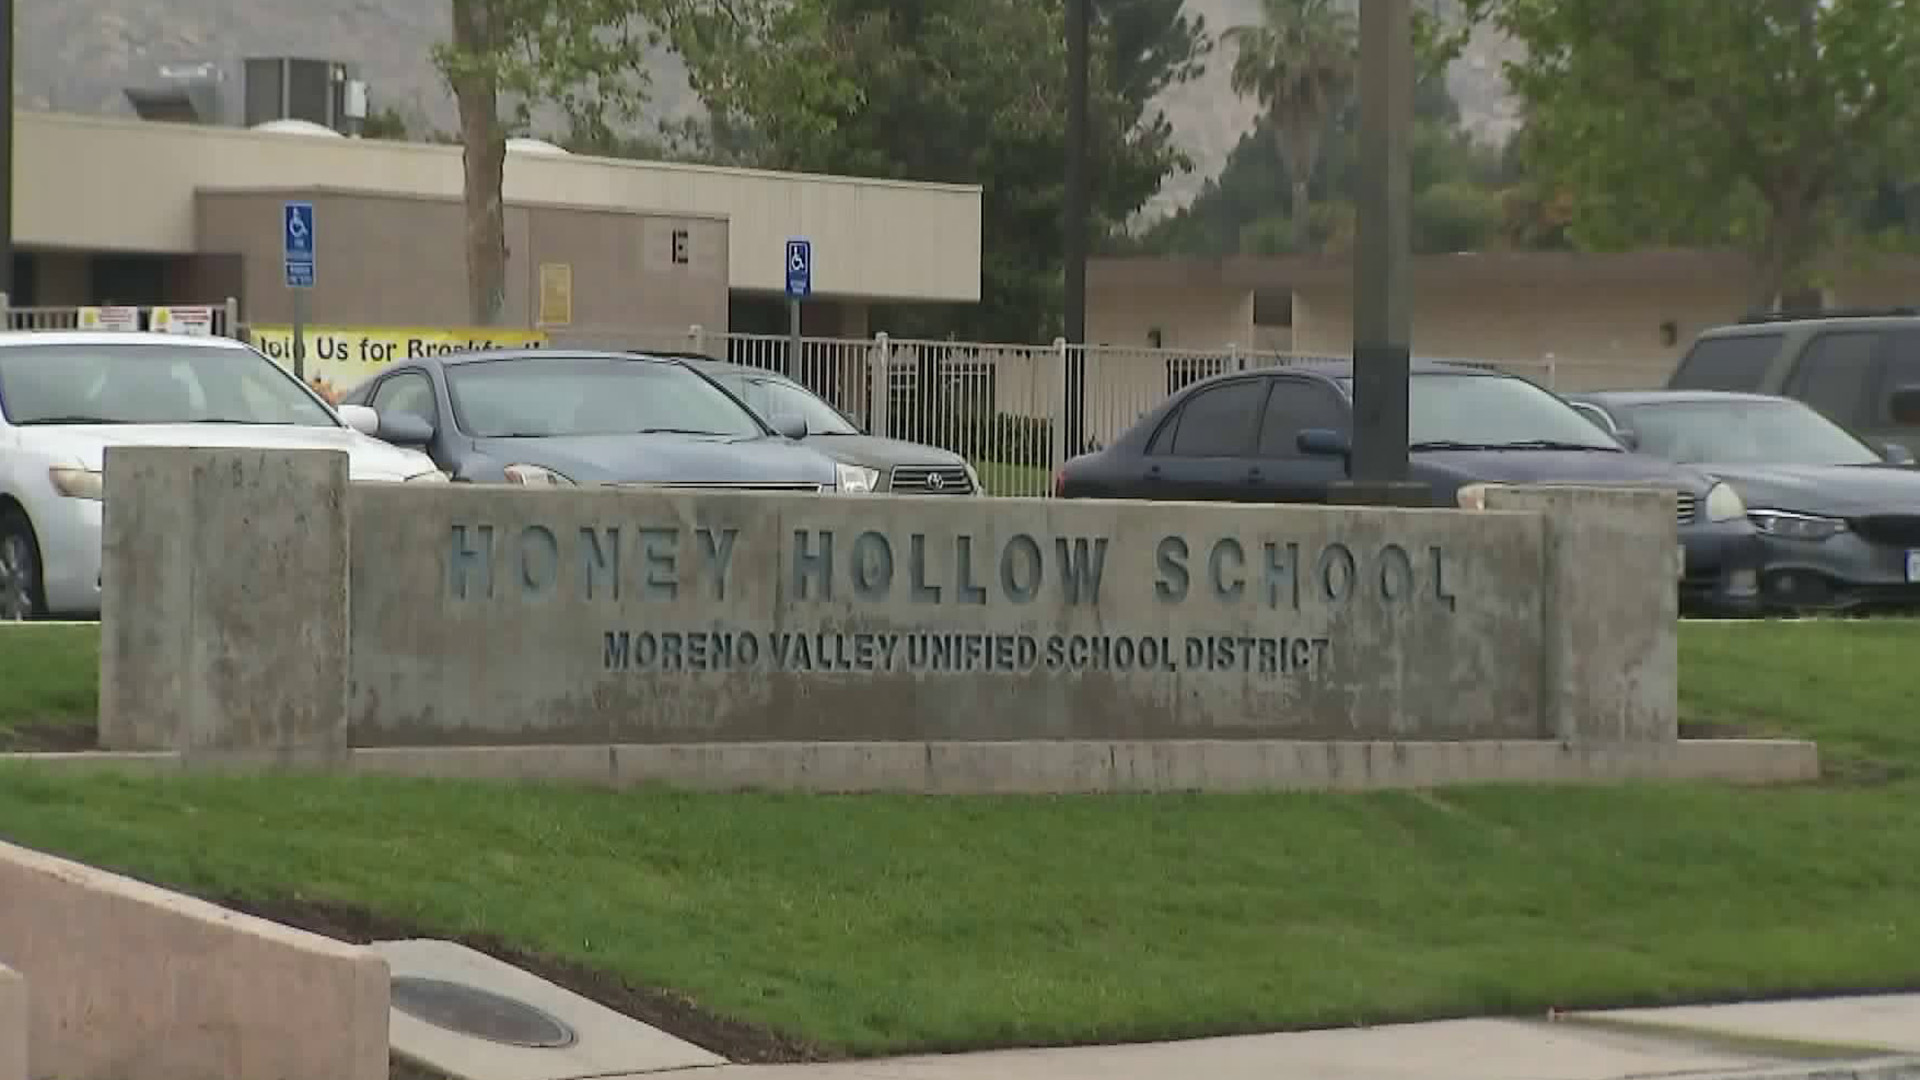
[985, 768]
[13, 1025]
[133, 980]
[1892, 1068]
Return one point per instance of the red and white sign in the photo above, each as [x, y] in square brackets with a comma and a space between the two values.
[109, 318]
[192, 321]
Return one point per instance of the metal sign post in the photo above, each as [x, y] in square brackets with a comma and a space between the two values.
[799, 269]
[297, 232]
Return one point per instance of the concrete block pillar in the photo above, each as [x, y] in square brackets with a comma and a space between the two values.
[1610, 599]
[224, 608]
[13, 1025]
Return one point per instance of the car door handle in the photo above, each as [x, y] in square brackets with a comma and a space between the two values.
[1253, 473]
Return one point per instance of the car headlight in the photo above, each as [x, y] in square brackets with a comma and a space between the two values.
[1725, 504]
[537, 476]
[973, 478]
[1790, 526]
[75, 482]
[431, 476]
[1474, 496]
[856, 479]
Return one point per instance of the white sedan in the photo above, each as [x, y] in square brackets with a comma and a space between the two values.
[66, 397]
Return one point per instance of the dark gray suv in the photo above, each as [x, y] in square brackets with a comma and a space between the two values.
[1860, 369]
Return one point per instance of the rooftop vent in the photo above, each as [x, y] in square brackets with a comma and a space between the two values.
[183, 94]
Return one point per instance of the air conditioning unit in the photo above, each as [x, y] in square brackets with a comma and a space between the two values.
[324, 92]
[183, 94]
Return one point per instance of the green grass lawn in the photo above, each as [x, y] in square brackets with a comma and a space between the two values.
[878, 924]
[1001, 478]
[49, 678]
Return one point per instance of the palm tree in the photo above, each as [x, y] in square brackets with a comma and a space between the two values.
[1298, 62]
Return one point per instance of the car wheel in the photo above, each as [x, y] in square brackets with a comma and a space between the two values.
[20, 578]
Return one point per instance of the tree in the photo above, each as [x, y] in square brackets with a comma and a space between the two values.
[504, 58]
[1704, 121]
[1298, 62]
[961, 91]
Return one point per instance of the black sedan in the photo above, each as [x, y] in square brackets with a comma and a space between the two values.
[1840, 520]
[1282, 435]
[560, 419]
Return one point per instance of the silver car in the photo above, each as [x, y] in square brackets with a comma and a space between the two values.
[892, 465]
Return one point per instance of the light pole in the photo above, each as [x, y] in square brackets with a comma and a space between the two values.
[1381, 320]
[6, 148]
[1074, 240]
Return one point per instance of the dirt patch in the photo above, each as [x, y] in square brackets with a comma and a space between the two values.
[672, 1013]
[49, 737]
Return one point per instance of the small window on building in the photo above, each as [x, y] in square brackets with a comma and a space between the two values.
[1155, 339]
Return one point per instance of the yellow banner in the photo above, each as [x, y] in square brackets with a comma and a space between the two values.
[345, 356]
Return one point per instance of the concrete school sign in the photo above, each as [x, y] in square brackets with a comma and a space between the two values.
[326, 619]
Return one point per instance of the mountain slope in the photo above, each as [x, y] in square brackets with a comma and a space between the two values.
[79, 55]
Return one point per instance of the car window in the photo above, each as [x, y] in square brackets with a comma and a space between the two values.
[1218, 421]
[1488, 409]
[1764, 432]
[1596, 414]
[148, 383]
[1832, 375]
[1735, 362]
[1293, 406]
[1900, 370]
[777, 397]
[547, 396]
[408, 392]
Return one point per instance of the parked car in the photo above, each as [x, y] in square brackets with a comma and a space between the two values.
[1282, 435]
[894, 466]
[1840, 520]
[1860, 369]
[542, 418]
[66, 397]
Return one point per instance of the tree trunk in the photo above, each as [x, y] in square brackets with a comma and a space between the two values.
[1302, 224]
[1785, 264]
[485, 144]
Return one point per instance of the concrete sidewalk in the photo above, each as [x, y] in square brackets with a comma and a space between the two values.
[1861, 1038]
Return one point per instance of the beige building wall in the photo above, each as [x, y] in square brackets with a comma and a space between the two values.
[399, 261]
[1206, 318]
[1588, 336]
[114, 185]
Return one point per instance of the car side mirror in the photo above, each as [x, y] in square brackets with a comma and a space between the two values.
[405, 429]
[1903, 405]
[1323, 442]
[1897, 453]
[1628, 438]
[790, 426]
[361, 419]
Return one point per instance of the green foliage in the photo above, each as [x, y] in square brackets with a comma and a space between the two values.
[387, 124]
[1703, 121]
[1458, 187]
[966, 91]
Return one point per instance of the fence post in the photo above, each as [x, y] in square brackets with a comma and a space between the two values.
[697, 335]
[6, 312]
[1058, 457]
[232, 327]
[880, 386]
[1234, 359]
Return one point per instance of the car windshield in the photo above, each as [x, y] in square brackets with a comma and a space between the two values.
[1470, 411]
[1745, 433]
[547, 396]
[151, 383]
[777, 397]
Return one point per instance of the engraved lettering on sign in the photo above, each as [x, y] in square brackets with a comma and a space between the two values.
[870, 602]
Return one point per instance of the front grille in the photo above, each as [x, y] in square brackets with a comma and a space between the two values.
[930, 480]
[1902, 530]
[1687, 508]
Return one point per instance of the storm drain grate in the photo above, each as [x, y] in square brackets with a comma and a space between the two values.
[480, 1014]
